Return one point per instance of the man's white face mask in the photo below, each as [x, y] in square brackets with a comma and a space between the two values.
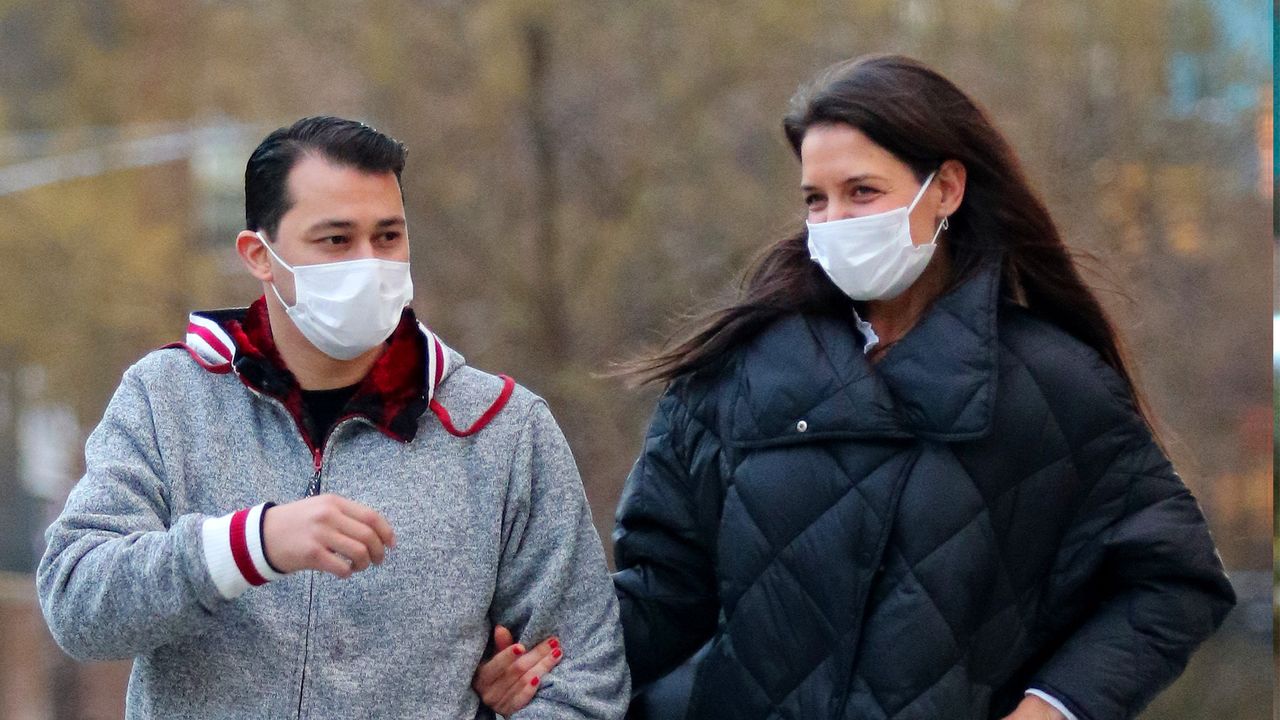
[346, 308]
[872, 257]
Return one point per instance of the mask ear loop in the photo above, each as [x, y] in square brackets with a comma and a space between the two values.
[941, 226]
[919, 194]
[284, 264]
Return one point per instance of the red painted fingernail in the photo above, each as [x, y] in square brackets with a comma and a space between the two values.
[554, 643]
[534, 682]
[556, 654]
[517, 651]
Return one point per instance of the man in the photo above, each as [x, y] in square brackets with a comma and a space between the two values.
[417, 501]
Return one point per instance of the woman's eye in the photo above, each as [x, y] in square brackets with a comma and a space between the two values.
[811, 200]
[390, 237]
[335, 239]
[864, 191]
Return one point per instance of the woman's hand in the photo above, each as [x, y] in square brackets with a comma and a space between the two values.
[1033, 708]
[509, 680]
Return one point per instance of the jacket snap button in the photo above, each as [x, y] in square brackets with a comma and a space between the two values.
[802, 426]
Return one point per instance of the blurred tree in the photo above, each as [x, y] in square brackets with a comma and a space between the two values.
[583, 173]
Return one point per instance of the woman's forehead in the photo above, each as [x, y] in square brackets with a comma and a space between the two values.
[837, 149]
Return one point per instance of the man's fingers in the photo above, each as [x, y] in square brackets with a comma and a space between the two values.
[326, 561]
[364, 535]
[349, 548]
[383, 528]
[370, 517]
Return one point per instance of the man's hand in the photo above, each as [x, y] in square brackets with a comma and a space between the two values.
[325, 532]
[1033, 708]
[510, 679]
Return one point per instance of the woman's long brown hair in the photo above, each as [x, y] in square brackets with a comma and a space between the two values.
[923, 119]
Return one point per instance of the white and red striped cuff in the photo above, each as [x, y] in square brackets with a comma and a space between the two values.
[233, 551]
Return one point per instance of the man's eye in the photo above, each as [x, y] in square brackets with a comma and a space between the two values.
[811, 199]
[390, 237]
[336, 239]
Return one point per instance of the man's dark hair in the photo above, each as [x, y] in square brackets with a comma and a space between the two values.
[343, 142]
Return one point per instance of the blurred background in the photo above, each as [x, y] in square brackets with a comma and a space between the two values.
[583, 173]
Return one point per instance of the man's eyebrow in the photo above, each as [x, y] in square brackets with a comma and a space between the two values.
[327, 224]
[335, 224]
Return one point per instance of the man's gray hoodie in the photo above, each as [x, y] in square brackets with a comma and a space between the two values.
[158, 554]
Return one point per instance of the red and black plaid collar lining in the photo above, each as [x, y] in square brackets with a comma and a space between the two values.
[392, 396]
[397, 390]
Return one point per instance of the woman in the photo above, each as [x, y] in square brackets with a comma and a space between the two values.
[907, 474]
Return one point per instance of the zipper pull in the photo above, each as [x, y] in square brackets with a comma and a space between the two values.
[313, 488]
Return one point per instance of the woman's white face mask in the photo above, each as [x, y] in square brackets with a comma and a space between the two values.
[872, 257]
[346, 308]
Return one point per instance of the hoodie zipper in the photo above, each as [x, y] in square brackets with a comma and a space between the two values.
[313, 489]
[314, 484]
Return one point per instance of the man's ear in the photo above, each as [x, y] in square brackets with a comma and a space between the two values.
[951, 180]
[254, 256]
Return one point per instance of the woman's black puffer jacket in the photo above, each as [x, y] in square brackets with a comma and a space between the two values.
[981, 513]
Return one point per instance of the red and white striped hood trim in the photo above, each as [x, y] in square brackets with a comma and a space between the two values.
[215, 351]
[437, 361]
[209, 344]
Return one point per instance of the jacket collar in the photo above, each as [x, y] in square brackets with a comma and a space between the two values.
[807, 378]
[399, 387]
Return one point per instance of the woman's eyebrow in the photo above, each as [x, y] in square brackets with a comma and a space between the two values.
[851, 180]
